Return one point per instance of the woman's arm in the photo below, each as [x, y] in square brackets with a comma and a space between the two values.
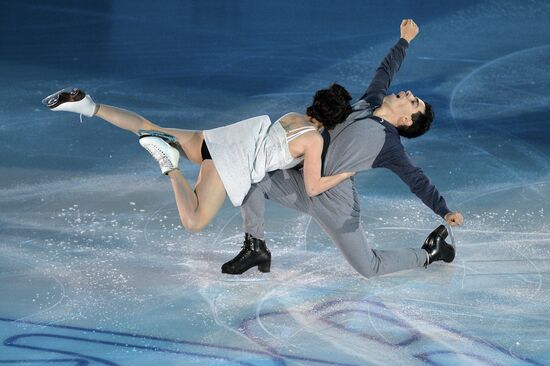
[315, 184]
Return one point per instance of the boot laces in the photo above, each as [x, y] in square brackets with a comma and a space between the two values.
[159, 155]
[246, 250]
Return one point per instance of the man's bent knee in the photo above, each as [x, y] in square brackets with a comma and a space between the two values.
[367, 273]
[367, 269]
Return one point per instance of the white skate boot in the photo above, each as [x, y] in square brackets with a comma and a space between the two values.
[71, 100]
[170, 139]
[167, 156]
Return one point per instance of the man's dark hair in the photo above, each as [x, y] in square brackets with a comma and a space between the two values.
[421, 123]
[330, 106]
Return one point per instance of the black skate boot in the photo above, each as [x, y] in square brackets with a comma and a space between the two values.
[436, 246]
[254, 253]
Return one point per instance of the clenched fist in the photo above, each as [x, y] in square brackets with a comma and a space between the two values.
[454, 218]
[409, 30]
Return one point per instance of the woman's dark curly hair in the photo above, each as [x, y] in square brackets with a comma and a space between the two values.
[330, 106]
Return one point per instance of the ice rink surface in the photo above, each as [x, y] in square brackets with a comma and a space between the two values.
[96, 270]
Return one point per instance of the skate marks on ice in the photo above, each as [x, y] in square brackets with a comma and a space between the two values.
[283, 320]
[364, 324]
[312, 309]
[347, 328]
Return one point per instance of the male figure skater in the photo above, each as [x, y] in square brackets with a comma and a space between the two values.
[369, 138]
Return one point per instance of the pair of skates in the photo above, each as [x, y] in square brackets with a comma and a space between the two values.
[255, 253]
[163, 147]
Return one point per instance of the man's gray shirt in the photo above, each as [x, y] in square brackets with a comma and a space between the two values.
[365, 141]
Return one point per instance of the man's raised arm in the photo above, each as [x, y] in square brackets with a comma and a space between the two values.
[390, 65]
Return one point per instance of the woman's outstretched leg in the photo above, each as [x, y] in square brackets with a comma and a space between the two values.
[123, 118]
[190, 140]
[196, 207]
[77, 101]
[199, 206]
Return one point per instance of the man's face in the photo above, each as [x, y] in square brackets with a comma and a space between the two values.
[404, 104]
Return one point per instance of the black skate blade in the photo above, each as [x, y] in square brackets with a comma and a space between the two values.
[244, 278]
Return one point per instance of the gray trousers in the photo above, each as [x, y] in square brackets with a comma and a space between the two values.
[338, 213]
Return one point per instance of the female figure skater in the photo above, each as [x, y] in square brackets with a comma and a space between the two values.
[231, 157]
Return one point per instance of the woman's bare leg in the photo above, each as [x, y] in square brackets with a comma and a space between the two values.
[198, 207]
[190, 140]
[123, 118]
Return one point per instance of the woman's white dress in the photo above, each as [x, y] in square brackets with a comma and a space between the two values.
[245, 151]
